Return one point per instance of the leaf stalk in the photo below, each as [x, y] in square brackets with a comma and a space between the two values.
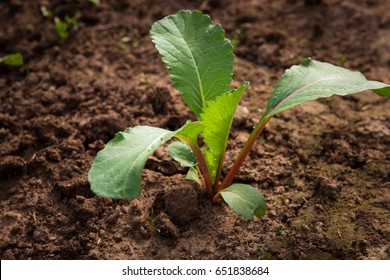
[243, 154]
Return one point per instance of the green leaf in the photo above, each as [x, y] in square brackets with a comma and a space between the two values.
[313, 79]
[117, 169]
[45, 11]
[95, 2]
[61, 28]
[180, 152]
[245, 200]
[15, 59]
[71, 21]
[212, 163]
[217, 117]
[198, 57]
[192, 175]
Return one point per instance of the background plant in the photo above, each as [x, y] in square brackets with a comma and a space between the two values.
[63, 27]
[200, 62]
[15, 59]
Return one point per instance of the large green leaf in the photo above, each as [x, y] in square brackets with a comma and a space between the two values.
[117, 169]
[198, 57]
[245, 200]
[217, 118]
[313, 79]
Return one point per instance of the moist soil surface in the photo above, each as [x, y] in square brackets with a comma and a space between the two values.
[323, 167]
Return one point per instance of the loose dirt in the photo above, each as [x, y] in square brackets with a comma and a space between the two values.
[324, 167]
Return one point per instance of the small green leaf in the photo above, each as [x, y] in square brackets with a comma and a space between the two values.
[189, 134]
[245, 200]
[217, 118]
[192, 175]
[15, 59]
[71, 21]
[198, 57]
[313, 79]
[45, 11]
[117, 169]
[61, 28]
[180, 152]
[191, 131]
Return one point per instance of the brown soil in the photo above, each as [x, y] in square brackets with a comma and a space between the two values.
[324, 167]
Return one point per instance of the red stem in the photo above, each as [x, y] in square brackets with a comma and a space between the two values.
[202, 166]
[243, 154]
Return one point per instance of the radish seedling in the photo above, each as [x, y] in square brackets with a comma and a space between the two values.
[63, 27]
[199, 60]
[45, 11]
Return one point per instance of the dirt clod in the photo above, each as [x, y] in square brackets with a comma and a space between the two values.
[12, 166]
[164, 226]
[328, 188]
[181, 203]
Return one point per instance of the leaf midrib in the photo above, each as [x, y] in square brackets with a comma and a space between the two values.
[196, 66]
[243, 198]
[301, 89]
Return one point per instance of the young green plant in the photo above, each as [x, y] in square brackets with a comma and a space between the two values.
[15, 59]
[199, 60]
[63, 27]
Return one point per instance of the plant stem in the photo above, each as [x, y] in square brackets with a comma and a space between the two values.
[244, 152]
[202, 166]
[219, 171]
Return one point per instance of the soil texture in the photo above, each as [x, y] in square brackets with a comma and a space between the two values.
[323, 167]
